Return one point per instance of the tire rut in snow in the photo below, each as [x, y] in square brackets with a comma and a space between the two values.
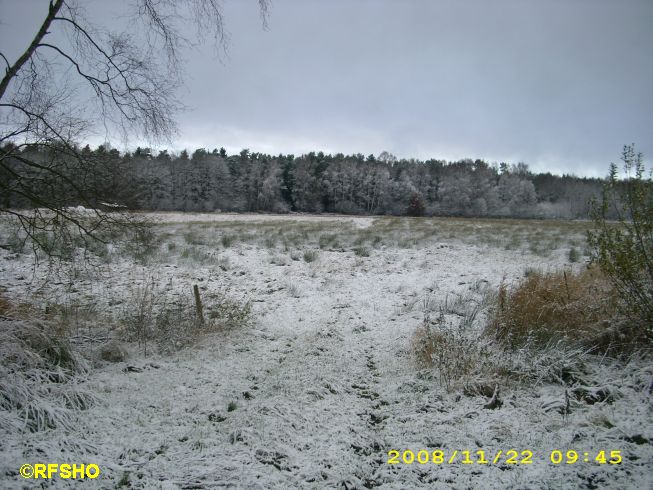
[316, 417]
[374, 416]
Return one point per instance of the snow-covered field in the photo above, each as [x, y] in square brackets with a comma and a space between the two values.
[324, 383]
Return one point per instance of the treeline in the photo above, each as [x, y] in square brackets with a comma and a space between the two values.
[315, 182]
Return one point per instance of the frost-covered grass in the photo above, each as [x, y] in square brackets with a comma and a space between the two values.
[538, 237]
[325, 380]
[153, 314]
[39, 375]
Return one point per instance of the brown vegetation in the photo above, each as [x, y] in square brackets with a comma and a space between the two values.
[581, 309]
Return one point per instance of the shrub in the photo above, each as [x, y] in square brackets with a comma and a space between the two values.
[140, 242]
[574, 255]
[561, 308]
[227, 313]
[310, 256]
[625, 251]
[150, 317]
[192, 237]
[362, 251]
[16, 240]
[227, 240]
[328, 240]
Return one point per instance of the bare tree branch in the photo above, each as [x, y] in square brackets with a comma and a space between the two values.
[6, 61]
[58, 90]
[13, 70]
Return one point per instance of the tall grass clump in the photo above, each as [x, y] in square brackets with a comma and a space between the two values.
[561, 308]
[471, 360]
[457, 354]
[448, 340]
[38, 376]
[227, 240]
[624, 251]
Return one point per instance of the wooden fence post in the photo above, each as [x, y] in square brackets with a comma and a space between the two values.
[198, 305]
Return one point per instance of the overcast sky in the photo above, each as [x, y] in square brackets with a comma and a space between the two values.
[559, 84]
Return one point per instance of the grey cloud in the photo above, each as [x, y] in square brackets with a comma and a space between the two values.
[559, 84]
